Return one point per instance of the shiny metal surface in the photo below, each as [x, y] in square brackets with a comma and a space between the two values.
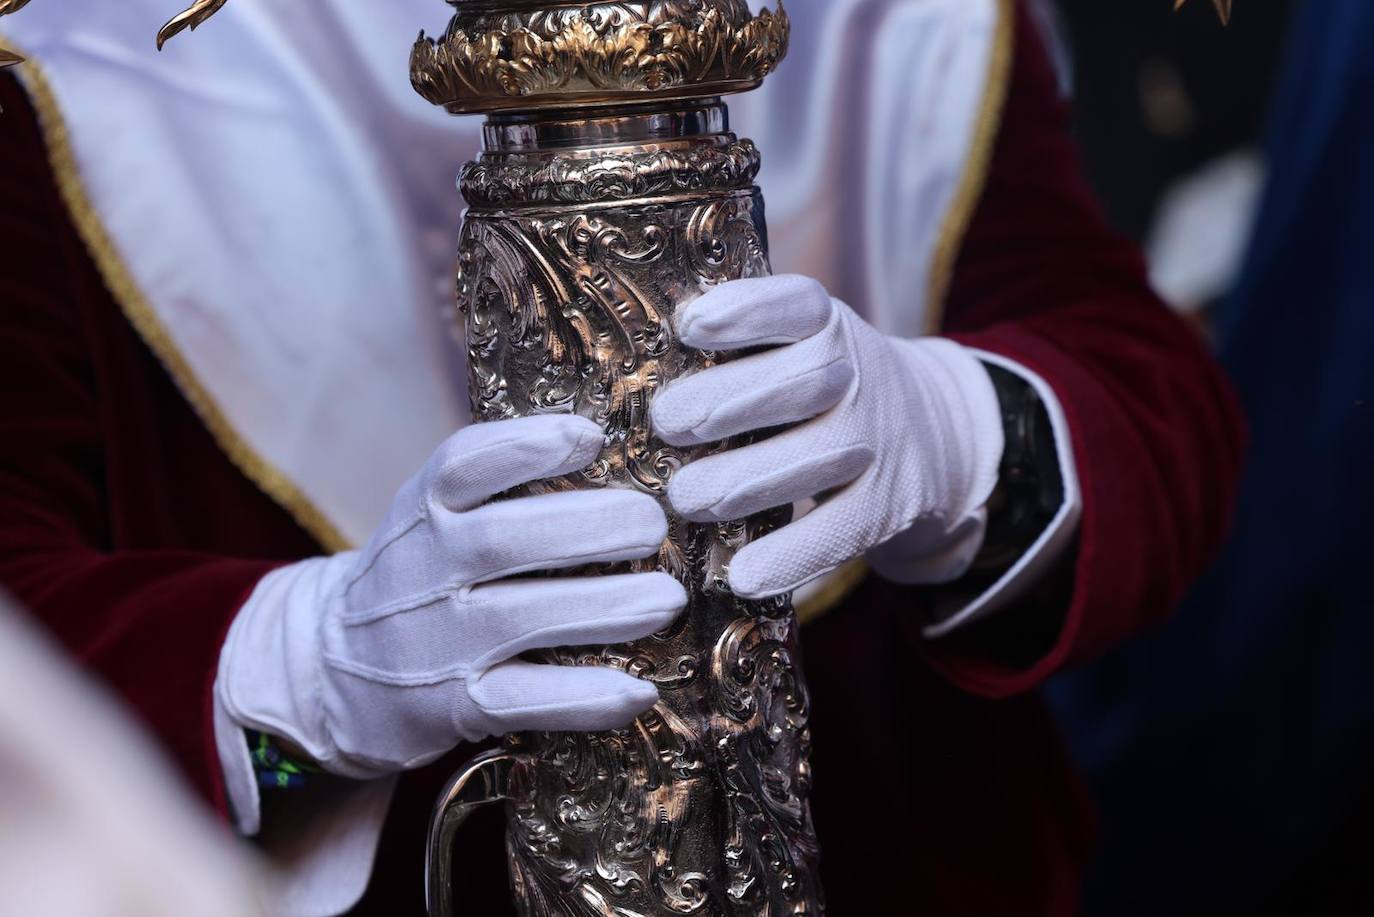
[482, 781]
[522, 131]
[499, 55]
[588, 229]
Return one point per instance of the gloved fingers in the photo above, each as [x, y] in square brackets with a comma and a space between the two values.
[515, 616]
[791, 466]
[519, 696]
[427, 642]
[485, 459]
[755, 312]
[834, 533]
[554, 531]
[930, 550]
[781, 386]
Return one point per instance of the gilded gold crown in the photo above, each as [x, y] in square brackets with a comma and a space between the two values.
[508, 54]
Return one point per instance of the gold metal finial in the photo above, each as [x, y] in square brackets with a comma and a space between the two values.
[1223, 8]
[529, 54]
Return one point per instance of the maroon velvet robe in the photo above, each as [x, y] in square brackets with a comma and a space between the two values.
[941, 787]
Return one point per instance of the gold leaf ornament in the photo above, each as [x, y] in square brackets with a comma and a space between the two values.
[1223, 8]
[189, 18]
[508, 55]
[9, 58]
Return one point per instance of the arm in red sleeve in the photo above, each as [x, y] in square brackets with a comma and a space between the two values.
[1157, 433]
[87, 540]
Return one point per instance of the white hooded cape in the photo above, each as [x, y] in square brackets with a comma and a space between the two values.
[274, 207]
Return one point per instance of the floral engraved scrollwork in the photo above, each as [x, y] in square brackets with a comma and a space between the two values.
[699, 808]
[492, 57]
[577, 306]
[514, 179]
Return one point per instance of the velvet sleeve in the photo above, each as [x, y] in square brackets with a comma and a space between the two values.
[145, 618]
[1156, 430]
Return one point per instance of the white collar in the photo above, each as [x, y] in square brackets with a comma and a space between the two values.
[275, 208]
[282, 237]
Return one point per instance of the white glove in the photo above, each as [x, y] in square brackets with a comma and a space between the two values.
[383, 659]
[907, 433]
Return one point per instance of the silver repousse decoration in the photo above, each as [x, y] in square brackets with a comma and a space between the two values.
[594, 218]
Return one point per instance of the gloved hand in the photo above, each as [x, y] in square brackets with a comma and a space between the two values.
[383, 659]
[900, 439]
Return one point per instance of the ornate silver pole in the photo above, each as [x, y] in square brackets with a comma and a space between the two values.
[610, 191]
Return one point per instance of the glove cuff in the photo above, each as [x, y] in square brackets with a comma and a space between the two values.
[270, 674]
[964, 399]
[965, 422]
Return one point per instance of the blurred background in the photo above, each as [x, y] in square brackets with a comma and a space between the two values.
[1232, 753]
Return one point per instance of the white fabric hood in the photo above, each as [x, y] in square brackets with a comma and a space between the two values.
[275, 207]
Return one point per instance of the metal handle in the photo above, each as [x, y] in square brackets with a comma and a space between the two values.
[482, 781]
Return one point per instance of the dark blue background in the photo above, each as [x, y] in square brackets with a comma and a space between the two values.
[1233, 752]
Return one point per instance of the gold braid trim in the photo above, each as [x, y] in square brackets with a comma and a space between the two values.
[975, 178]
[141, 315]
